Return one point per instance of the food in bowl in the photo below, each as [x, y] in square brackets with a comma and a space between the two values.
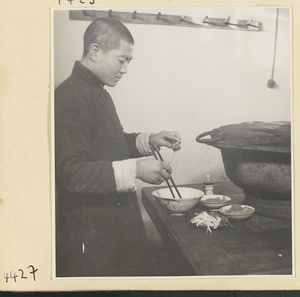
[237, 212]
[178, 206]
[214, 202]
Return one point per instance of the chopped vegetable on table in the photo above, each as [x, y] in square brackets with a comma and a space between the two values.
[210, 220]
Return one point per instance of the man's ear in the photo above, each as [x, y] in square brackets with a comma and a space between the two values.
[95, 52]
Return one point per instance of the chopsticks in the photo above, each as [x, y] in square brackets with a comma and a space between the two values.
[156, 153]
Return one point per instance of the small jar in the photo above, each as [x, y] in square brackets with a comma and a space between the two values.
[208, 186]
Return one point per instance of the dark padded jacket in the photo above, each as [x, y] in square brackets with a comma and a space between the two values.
[89, 211]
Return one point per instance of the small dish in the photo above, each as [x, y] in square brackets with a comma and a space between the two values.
[237, 212]
[214, 202]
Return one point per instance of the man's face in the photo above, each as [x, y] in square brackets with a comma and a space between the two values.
[113, 64]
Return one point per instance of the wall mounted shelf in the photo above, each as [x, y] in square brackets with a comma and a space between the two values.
[167, 20]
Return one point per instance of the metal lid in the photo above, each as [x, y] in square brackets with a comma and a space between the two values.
[263, 136]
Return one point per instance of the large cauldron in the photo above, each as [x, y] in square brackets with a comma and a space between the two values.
[256, 156]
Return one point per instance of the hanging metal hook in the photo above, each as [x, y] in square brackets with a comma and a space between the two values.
[228, 23]
[189, 21]
[249, 22]
[250, 25]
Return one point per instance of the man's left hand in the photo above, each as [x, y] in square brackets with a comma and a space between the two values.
[167, 139]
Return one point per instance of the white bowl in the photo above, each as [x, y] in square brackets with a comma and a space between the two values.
[214, 202]
[177, 206]
[236, 212]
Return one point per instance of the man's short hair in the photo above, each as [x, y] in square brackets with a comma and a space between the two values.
[107, 33]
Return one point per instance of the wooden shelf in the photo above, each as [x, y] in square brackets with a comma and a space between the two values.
[167, 20]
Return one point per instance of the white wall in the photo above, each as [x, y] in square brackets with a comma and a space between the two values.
[193, 80]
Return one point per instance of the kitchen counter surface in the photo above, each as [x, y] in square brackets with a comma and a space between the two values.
[258, 246]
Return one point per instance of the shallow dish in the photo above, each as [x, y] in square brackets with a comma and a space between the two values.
[237, 212]
[214, 202]
[178, 206]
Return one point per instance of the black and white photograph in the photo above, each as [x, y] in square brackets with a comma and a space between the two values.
[172, 142]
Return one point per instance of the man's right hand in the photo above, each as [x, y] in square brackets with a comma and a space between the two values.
[152, 171]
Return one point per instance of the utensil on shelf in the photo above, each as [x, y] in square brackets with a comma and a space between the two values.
[157, 156]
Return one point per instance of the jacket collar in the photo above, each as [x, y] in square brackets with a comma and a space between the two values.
[87, 75]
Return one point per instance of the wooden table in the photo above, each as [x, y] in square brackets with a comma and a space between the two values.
[258, 246]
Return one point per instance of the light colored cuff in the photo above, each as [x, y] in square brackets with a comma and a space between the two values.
[125, 175]
[142, 144]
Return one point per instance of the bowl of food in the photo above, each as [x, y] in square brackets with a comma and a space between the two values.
[214, 202]
[178, 206]
[237, 212]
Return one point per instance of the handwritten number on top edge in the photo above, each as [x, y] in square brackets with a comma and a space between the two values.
[92, 2]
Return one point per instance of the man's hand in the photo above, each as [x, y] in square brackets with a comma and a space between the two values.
[152, 171]
[167, 139]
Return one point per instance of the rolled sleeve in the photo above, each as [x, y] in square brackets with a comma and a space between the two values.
[125, 175]
[142, 143]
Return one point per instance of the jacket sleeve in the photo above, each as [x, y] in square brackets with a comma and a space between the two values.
[73, 133]
[131, 144]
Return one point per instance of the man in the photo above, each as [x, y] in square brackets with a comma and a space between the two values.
[99, 229]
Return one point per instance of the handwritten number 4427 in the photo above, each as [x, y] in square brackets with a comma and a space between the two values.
[22, 274]
[81, 1]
